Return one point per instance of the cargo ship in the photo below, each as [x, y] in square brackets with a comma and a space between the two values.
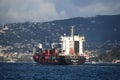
[70, 53]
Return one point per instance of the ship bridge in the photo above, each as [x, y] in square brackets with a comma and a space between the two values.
[72, 44]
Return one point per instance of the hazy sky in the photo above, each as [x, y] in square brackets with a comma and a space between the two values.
[46, 10]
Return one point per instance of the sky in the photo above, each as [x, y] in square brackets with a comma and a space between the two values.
[12, 11]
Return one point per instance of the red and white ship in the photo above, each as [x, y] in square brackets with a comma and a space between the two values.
[71, 52]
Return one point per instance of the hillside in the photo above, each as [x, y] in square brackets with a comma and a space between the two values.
[100, 28]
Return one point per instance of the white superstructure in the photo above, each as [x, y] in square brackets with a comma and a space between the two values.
[72, 44]
[40, 45]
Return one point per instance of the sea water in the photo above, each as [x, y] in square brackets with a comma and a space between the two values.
[33, 71]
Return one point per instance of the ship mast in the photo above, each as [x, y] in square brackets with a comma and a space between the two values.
[72, 32]
[72, 36]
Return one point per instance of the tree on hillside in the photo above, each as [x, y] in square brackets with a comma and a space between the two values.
[112, 55]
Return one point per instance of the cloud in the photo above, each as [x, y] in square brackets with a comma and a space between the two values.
[46, 10]
[97, 7]
[27, 10]
[63, 14]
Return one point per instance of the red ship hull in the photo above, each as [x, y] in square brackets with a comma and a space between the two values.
[52, 57]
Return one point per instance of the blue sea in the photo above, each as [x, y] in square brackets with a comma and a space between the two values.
[33, 71]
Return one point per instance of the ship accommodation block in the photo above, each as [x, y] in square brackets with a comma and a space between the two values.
[72, 44]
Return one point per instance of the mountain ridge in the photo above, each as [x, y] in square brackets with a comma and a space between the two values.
[99, 28]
